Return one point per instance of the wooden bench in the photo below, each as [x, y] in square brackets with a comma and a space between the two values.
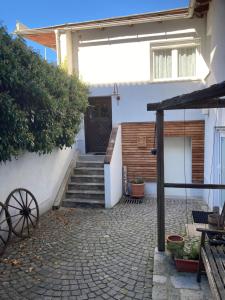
[212, 256]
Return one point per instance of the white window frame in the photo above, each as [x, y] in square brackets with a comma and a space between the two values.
[174, 47]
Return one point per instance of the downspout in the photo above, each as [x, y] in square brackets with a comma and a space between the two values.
[191, 8]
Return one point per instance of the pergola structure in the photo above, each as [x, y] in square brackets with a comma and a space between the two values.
[211, 97]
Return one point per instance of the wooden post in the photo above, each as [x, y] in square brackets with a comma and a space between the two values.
[160, 180]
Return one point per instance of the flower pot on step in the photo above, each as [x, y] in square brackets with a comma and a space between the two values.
[137, 190]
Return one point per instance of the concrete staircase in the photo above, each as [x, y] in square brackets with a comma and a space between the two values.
[86, 185]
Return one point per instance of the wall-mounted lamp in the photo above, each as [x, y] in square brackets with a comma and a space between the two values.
[116, 93]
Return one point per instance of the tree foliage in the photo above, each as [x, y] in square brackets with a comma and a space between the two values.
[40, 105]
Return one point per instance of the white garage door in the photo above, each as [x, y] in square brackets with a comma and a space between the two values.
[175, 158]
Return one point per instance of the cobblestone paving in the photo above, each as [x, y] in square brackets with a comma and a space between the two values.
[87, 253]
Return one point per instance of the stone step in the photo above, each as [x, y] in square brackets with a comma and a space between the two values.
[82, 202]
[96, 186]
[91, 157]
[85, 194]
[89, 171]
[89, 164]
[87, 178]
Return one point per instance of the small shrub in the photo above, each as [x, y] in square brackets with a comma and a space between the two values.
[138, 180]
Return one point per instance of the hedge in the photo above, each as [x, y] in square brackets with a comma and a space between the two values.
[41, 107]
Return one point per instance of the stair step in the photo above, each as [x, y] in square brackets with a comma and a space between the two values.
[89, 164]
[87, 178]
[86, 186]
[89, 171]
[82, 202]
[91, 157]
[85, 194]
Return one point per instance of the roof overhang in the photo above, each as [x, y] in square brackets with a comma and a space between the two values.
[46, 35]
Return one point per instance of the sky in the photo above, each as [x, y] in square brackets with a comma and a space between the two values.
[40, 13]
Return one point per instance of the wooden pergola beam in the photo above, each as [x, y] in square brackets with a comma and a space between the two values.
[206, 186]
[160, 180]
[197, 104]
[206, 98]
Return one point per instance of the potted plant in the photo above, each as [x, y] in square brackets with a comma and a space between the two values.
[188, 259]
[137, 187]
[175, 244]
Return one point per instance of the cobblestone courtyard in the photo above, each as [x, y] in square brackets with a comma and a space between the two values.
[87, 253]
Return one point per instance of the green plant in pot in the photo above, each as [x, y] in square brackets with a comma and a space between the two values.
[175, 244]
[137, 187]
[188, 260]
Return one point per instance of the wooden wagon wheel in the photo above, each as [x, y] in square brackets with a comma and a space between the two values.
[23, 210]
[5, 227]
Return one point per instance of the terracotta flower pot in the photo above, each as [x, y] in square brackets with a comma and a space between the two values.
[175, 244]
[175, 239]
[137, 190]
[186, 265]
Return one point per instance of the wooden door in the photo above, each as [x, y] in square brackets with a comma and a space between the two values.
[98, 124]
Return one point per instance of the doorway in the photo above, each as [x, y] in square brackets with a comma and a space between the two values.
[98, 124]
[178, 163]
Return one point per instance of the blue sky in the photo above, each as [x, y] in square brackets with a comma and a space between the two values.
[51, 12]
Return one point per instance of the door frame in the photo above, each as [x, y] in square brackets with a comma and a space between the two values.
[109, 98]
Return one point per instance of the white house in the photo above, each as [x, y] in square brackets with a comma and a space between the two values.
[128, 62]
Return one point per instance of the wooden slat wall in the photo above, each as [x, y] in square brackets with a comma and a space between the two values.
[136, 154]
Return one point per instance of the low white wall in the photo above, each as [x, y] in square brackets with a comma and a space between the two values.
[41, 174]
[151, 190]
[113, 174]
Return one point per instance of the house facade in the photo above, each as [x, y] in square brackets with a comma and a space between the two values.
[130, 61]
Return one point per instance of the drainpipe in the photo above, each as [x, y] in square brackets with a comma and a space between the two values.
[191, 8]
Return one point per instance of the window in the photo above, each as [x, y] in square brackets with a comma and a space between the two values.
[174, 63]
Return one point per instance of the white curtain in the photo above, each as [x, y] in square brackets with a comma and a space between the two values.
[186, 62]
[162, 64]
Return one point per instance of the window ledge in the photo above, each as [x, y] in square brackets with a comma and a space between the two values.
[175, 80]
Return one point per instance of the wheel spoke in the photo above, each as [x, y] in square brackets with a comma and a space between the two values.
[31, 221]
[4, 242]
[17, 222]
[30, 203]
[22, 226]
[15, 215]
[21, 198]
[28, 230]
[14, 206]
[26, 199]
[4, 230]
[17, 200]
[5, 220]
[33, 216]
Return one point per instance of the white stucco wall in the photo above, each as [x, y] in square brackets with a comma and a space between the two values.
[117, 56]
[216, 45]
[41, 174]
[132, 106]
[113, 174]
[122, 54]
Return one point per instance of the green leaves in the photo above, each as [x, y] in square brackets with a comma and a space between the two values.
[40, 105]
